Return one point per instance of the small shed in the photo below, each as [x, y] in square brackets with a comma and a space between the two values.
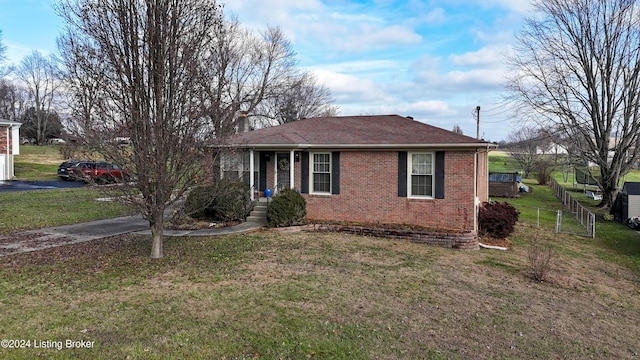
[627, 203]
[503, 184]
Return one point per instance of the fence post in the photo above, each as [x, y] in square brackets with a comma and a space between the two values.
[558, 221]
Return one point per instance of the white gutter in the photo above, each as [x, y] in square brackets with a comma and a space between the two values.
[360, 146]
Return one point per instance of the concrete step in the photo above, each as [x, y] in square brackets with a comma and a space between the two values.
[258, 219]
[259, 212]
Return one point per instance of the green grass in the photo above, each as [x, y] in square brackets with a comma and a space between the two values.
[501, 161]
[43, 208]
[37, 162]
[30, 171]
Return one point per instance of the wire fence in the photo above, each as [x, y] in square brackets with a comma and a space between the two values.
[585, 218]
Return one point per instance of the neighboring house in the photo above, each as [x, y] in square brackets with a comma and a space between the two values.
[9, 146]
[384, 169]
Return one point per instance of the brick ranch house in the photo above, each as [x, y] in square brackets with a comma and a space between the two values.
[384, 169]
[9, 146]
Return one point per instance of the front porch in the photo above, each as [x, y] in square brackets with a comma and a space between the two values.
[262, 170]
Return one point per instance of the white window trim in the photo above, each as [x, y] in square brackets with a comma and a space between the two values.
[409, 174]
[311, 172]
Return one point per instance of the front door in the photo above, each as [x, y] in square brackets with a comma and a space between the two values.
[282, 170]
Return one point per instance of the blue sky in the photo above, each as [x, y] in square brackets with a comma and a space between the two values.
[433, 60]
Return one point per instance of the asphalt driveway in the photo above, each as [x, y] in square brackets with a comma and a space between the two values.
[39, 239]
[24, 185]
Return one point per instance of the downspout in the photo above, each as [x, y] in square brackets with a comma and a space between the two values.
[477, 201]
[7, 157]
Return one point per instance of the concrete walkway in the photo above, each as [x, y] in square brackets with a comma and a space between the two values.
[39, 239]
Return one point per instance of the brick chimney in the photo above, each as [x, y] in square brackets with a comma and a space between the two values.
[242, 122]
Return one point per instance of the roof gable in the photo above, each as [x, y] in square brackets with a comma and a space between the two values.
[361, 131]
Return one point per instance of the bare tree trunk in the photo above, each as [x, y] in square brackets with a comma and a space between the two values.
[157, 225]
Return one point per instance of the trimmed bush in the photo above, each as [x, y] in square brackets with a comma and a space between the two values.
[199, 200]
[288, 208]
[497, 219]
[225, 201]
[232, 202]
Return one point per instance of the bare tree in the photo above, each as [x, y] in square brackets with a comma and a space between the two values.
[152, 59]
[578, 71]
[12, 100]
[3, 50]
[527, 145]
[41, 78]
[4, 70]
[243, 71]
[457, 129]
[301, 97]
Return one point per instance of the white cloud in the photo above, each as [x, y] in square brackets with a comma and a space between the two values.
[368, 38]
[520, 6]
[486, 57]
[434, 16]
[350, 88]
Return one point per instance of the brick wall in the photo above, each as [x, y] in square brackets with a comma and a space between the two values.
[369, 193]
[3, 140]
[455, 240]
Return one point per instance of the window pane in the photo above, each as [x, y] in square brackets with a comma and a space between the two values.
[321, 163]
[321, 173]
[421, 185]
[321, 182]
[421, 164]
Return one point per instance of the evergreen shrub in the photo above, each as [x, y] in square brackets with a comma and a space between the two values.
[288, 208]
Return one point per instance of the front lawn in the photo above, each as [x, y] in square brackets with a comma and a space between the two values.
[315, 295]
[43, 208]
[326, 296]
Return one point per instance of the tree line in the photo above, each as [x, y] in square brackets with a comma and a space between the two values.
[253, 72]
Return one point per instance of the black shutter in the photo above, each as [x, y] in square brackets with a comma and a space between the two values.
[304, 173]
[335, 173]
[402, 174]
[262, 183]
[439, 192]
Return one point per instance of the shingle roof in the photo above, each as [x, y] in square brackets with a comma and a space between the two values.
[354, 131]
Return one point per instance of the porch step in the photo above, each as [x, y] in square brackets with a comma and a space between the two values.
[259, 212]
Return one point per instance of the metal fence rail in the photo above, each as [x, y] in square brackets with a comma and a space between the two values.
[584, 216]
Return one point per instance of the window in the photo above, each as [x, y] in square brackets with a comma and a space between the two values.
[321, 173]
[420, 167]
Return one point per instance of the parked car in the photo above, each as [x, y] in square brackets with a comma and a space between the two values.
[100, 172]
[66, 169]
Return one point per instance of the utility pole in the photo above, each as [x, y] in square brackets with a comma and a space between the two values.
[478, 122]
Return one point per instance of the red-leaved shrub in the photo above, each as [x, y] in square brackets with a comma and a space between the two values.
[497, 219]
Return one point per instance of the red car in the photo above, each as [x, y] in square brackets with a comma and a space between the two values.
[100, 172]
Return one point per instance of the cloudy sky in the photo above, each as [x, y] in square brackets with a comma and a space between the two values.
[433, 60]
